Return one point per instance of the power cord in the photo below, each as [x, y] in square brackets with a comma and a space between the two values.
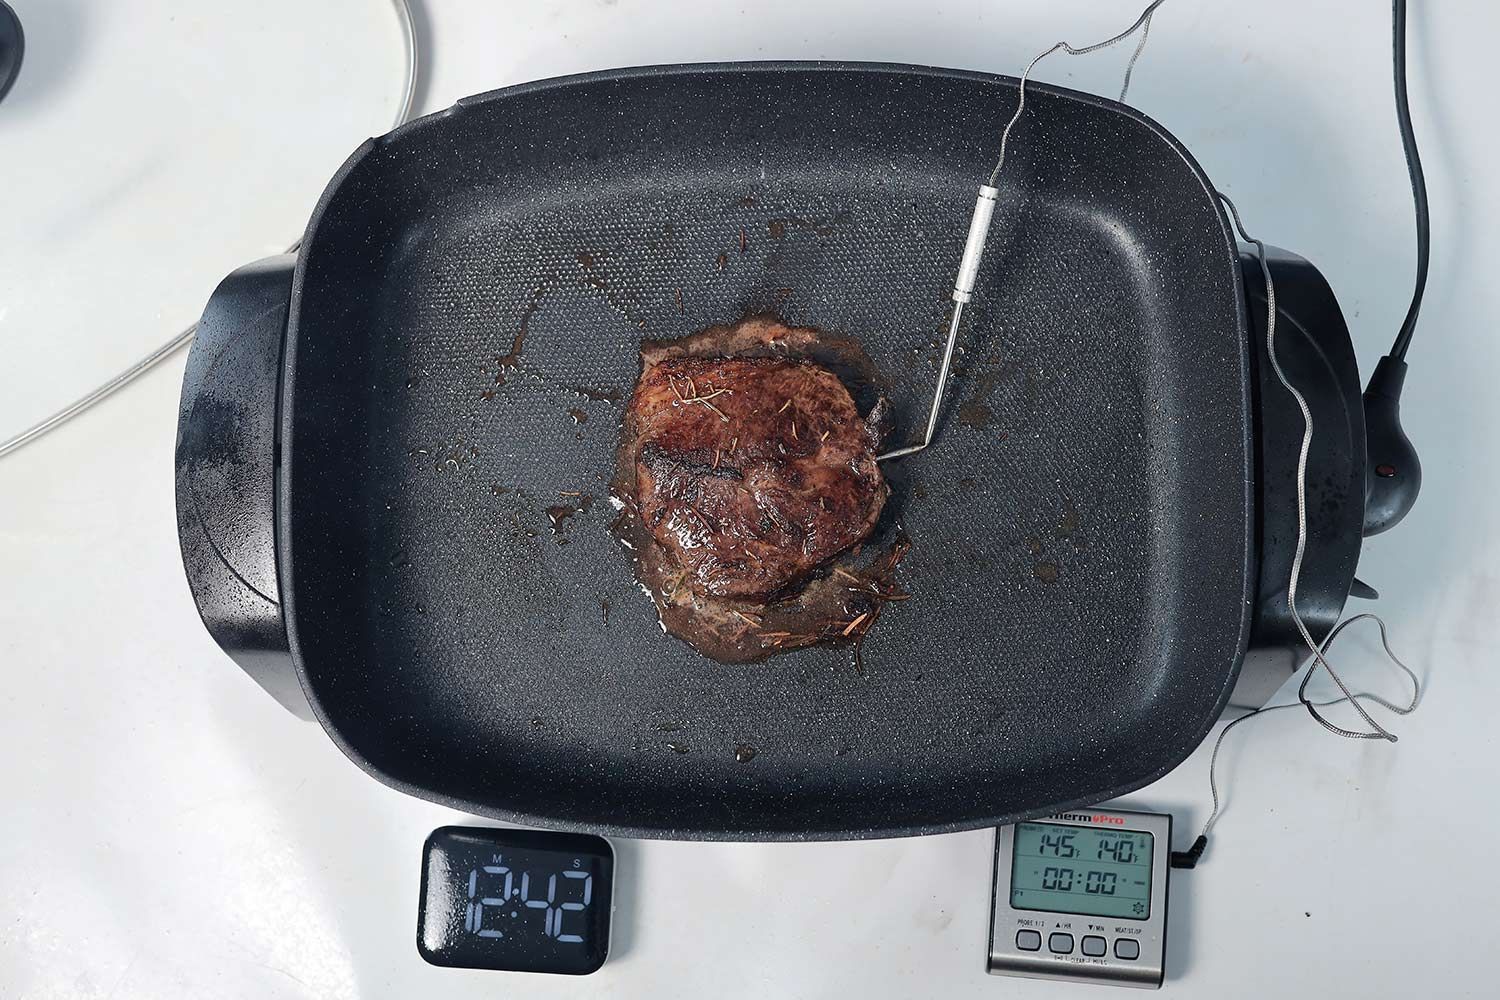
[185, 336]
[1397, 470]
[1418, 181]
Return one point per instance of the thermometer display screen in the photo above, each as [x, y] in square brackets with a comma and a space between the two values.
[1080, 869]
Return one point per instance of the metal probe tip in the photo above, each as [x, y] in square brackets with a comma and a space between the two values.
[963, 291]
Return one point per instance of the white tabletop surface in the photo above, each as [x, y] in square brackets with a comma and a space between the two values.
[167, 831]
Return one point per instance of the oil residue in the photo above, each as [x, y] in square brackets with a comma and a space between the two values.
[579, 416]
[510, 363]
[974, 415]
[1069, 521]
[575, 503]
[511, 360]
[596, 395]
[744, 754]
[595, 278]
[1020, 396]
[818, 227]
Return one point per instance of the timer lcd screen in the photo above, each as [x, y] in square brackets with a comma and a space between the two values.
[517, 900]
[1081, 869]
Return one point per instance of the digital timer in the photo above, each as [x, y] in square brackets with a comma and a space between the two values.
[1082, 896]
[515, 900]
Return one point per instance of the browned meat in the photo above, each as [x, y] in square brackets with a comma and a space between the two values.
[744, 470]
[751, 471]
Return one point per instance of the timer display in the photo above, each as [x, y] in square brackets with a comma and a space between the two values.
[515, 900]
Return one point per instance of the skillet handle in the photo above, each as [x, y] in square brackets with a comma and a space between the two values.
[227, 449]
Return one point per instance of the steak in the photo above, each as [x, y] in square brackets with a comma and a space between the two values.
[745, 467]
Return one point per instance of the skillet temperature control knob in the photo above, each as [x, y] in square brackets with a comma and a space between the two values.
[1394, 476]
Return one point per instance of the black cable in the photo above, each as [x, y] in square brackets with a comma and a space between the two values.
[1190, 857]
[1418, 182]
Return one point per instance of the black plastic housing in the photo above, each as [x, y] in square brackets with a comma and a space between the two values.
[1315, 351]
[12, 48]
[226, 464]
[1394, 474]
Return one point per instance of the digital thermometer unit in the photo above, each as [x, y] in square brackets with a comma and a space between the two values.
[1082, 896]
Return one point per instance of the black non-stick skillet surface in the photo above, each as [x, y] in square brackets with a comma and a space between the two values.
[466, 320]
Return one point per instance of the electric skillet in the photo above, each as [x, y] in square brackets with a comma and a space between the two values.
[372, 430]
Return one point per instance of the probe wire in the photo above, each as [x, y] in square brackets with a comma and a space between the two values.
[1407, 709]
[1190, 857]
[1319, 660]
[185, 336]
[1144, 21]
[979, 222]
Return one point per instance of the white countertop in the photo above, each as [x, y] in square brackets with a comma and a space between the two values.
[168, 831]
